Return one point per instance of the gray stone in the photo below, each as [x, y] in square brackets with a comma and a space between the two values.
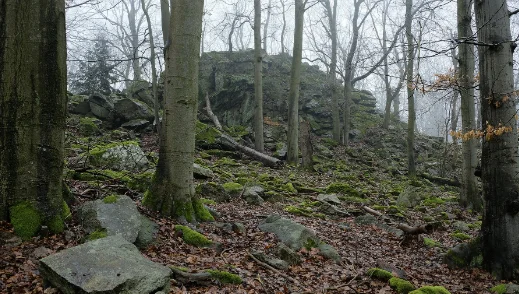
[329, 251]
[253, 195]
[200, 172]
[136, 124]
[212, 191]
[104, 266]
[273, 262]
[285, 253]
[293, 234]
[81, 108]
[119, 218]
[101, 106]
[281, 150]
[124, 157]
[213, 212]
[461, 226]
[512, 289]
[130, 109]
[330, 198]
[41, 252]
[468, 254]
[410, 197]
[366, 219]
[239, 228]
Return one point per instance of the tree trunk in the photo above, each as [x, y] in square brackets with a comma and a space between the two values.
[348, 88]
[172, 190]
[165, 15]
[258, 79]
[154, 84]
[284, 28]
[33, 77]
[266, 27]
[411, 121]
[295, 78]
[499, 152]
[306, 146]
[134, 35]
[469, 196]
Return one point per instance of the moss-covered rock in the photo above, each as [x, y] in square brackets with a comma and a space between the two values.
[401, 286]
[233, 188]
[97, 234]
[193, 237]
[25, 219]
[88, 127]
[461, 236]
[343, 189]
[430, 290]
[431, 243]
[205, 135]
[380, 274]
[298, 211]
[464, 255]
[225, 277]
[213, 191]
[110, 199]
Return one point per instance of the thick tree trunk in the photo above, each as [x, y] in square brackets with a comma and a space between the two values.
[258, 79]
[172, 191]
[32, 107]
[500, 152]
[469, 196]
[295, 78]
[411, 120]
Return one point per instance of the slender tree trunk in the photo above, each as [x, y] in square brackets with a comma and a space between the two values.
[469, 196]
[306, 145]
[411, 121]
[295, 78]
[454, 99]
[231, 33]
[500, 152]
[389, 98]
[284, 28]
[258, 78]
[266, 27]
[348, 88]
[33, 77]
[132, 21]
[154, 82]
[172, 191]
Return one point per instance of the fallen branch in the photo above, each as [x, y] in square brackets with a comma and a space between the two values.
[273, 269]
[185, 277]
[441, 181]
[371, 211]
[423, 229]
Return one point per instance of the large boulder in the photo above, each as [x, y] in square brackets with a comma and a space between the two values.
[200, 172]
[103, 266]
[119, 156]
[117, 215]
[130, 109]
[253, 195]
[101, 106]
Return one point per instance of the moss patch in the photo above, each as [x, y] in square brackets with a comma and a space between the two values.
[225, 277]
[342, 188]
[25, 220]
[233, 188]
[88, 127]
[431, 243]
[461, 236]
[401, 286]
[499, 289]
[110, 199]
[193, 237]
[97, 234]
[56, 224]
[201, 212]
[298, 211]
[380, 274]
[430, 290]
[65, 213]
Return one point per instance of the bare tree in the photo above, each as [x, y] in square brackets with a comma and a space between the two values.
[258, 78]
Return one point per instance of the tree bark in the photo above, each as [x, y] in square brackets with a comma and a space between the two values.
[499, 152]
[165, 15]
[295, 79]
[134, 35]
[258, 79]
[172, 190]
[33, 77]
[469, 196]
[266, 27]
[411, 120]
[284, 28]
[306, 145]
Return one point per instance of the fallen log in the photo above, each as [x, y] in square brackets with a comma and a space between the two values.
[229, 141]
[423, 229]
[441, 181]
[183, 277]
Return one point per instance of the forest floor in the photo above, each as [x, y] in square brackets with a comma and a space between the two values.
[361, 247]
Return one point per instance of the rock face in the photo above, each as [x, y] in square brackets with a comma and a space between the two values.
[118, 218]
[101, 106]
[103, 266]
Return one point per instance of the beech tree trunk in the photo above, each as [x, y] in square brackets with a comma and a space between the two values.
[258, 79]
[499, 152]
[469, 196]
[411, 120]
[33, 77]
[172, 190]
[165, 15]
[266, 26]
[295, 79]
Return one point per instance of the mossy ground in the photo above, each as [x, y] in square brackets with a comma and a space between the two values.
[379, 274]
[225, 277]
[193, 237]
[401, 286]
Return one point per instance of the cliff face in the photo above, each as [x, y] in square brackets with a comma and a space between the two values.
[229, 79]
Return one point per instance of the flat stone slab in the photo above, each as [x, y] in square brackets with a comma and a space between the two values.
[104, 266]
[293, 234]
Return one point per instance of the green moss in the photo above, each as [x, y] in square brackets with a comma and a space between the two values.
[25, 219]
[56, 224]
[96, 154]
[401, 286]
[342, 188]
[65, 213]
[207, 201]
[476, 225]
[431, 243]
[430, 290]
[461, 236]
[184, 209]
[298, 211]
[206, 134]
[499, 289]
[180, 268]
[225, 277]
[201, 212]
[233, 188]
[148, 200]
[433, 201]
[380, 274]
[311, 243]
[87, 126]
[192, 237]
[352, 199]
[110, 199]
[455, 259]
[97, 234]
[226, 161]
[289, 187]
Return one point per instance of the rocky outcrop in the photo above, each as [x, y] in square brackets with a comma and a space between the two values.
[103, 266]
